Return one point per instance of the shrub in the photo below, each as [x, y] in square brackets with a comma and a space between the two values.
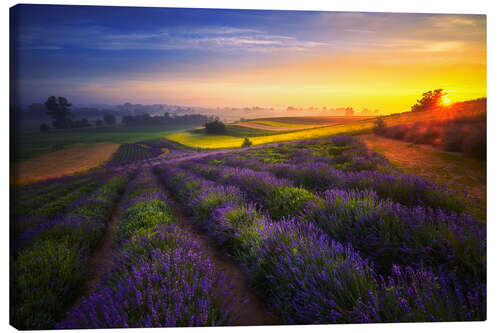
[398, 132]
[307, 276]
[336, 150]
[44, 128]
[379, 126]
[230, 226]
[92, 209]
[144, 215]
[416, 295]
[285, 201]
[215, 127]
[246, 143]
[212, 197]
[109, 119]
[474, 143]
[46, 276]
[452, 138]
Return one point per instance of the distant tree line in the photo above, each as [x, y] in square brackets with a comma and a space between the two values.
[146, 119]
[59, 109]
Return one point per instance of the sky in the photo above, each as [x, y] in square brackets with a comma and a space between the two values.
[244, 58]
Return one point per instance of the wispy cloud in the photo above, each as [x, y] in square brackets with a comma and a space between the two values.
[439, 46]
[211, 38]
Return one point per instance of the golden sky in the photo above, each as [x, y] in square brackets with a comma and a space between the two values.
[236, 58]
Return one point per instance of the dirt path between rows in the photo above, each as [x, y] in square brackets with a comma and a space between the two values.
[101, 261]
[248, 310]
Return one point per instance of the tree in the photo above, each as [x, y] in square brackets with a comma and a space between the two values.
[98, 122]
[128, 120]
[44, 128]
[380, 126]
[109, 119]
[215, 127]
[81, 123]
[59, 110]
[246, 143]
[349, 112]
[429, 101]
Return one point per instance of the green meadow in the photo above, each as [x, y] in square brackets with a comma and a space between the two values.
[27, 145]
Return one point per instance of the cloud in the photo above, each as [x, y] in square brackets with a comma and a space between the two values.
[363, 31]
[225, 30]
[223, 38]
[453, 22]
[439, 46]
[43, 47]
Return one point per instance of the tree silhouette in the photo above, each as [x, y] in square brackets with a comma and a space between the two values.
[109, 119]
[246, 143]
[215, 127]
[429, 101]
[44, 128]
[379, 125]
[59, 110]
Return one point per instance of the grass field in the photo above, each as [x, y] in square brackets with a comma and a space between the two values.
[290, 124]
[206, 141]
[459, 173]
[308, 120]
[27, 145]
[238, 131]
[276, 123]
[199, 139]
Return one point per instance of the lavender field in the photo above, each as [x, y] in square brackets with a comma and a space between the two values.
[318, 231]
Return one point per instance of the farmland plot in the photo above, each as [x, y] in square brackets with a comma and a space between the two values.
[326, 231]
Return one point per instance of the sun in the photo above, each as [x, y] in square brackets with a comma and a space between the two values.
[445, 100]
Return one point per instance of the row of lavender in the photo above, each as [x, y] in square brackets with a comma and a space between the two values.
[52, 244]
[145, 152]
[36, 208]
[386, 232]
[342, 163]
[133, 153]
[27, 200]
[158, 276]
[309, 277]
[299, 264]
[394, 217]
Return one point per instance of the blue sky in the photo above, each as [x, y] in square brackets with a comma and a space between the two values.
[172, 55]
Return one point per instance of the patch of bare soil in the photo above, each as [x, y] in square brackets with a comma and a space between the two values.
[61, 163]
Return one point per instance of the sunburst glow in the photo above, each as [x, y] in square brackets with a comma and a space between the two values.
[239, 59]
